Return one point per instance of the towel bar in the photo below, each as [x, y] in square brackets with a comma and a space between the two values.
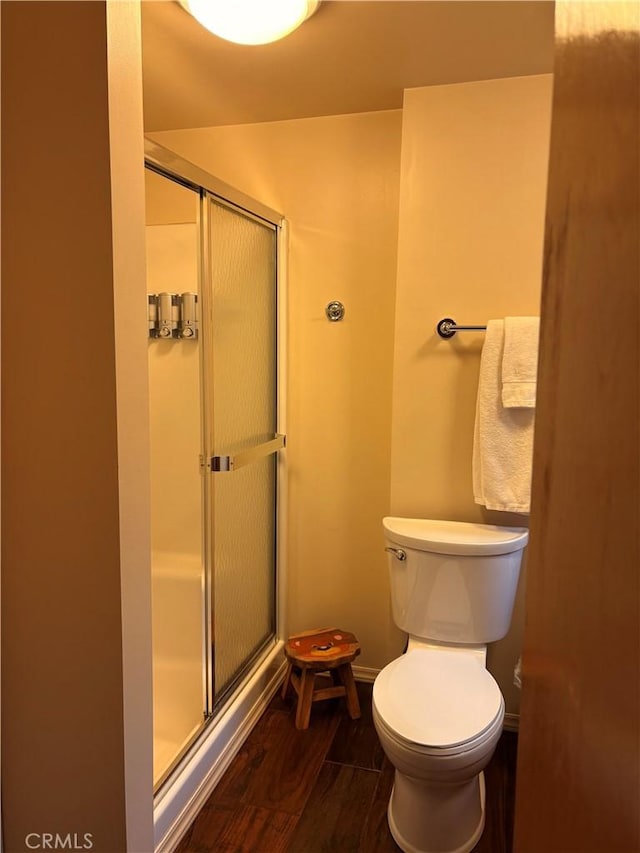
[447, 328]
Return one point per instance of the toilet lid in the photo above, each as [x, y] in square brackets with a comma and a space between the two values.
[454, 537]
[437, 698]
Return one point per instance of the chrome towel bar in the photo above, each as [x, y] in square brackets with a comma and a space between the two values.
[447, 328]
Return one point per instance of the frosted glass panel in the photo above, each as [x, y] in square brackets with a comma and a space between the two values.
[244, 330]
[243, 306]
[244, 566]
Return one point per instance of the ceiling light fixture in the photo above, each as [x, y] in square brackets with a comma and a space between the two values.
[251, 21]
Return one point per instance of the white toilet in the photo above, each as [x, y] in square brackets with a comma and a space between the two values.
[437, 710]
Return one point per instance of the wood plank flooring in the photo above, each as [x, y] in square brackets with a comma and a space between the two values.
[324, 789]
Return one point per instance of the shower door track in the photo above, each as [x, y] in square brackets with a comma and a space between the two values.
[165, 162]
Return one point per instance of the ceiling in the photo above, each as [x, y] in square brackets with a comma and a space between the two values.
[351, 56]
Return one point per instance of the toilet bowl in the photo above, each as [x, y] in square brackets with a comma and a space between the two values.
[439, 716]
[437, 710]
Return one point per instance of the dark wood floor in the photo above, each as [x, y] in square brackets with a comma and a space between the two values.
[324, 789]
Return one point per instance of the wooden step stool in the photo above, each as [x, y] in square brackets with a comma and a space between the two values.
[321, 650]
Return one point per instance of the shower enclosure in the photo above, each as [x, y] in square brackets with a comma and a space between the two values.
[216, 432]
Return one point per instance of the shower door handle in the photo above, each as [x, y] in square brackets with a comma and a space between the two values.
[246, 457]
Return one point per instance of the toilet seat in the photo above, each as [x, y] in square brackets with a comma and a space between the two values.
[438, 701]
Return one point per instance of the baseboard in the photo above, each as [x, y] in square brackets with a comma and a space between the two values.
[365, 673]
[511, 722]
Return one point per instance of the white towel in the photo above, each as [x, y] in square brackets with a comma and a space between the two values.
[520, 362]
[503, 438]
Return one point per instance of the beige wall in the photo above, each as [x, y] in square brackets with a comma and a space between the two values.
[175, 440]
[168, 202]
[336, 181]
[474, 169]
[75, 741]
[172, 266]
[174, 400]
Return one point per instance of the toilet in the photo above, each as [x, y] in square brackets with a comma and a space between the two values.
[437, 710]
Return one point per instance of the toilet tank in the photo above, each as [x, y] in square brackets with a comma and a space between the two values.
[452, 581]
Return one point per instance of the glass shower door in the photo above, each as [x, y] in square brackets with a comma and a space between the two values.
[213, 397]
[242, 427]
